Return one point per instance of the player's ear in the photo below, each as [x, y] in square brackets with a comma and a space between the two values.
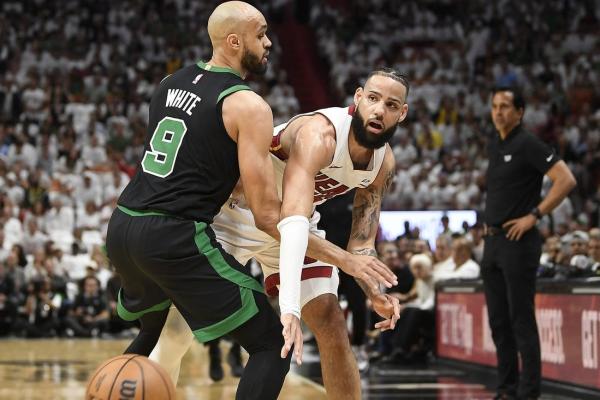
[358, 95]
[234, 41]
[404, 113]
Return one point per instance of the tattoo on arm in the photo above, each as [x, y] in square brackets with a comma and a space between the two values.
[365, 252]
[365, 213]
[367, 289]
[367, 204]
[388, 181]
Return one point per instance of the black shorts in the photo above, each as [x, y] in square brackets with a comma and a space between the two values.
[163, 259]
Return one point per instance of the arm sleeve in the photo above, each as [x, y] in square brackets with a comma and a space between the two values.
[294, 241]
[539, 154]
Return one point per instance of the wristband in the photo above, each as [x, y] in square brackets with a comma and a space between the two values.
[294, 241]
[536, 213]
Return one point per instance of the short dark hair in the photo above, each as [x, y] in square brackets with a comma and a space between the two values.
[391, 73]
[518, 98]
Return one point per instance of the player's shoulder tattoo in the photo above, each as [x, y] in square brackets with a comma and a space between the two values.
[388, 180]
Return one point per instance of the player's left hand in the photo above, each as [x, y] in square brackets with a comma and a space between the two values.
[369, 269]
[388, 307]
[292, 336]
[518, 226]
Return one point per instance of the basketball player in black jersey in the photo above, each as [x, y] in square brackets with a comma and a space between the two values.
[207, 129]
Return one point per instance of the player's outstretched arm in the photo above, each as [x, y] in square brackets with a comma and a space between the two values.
[365, 221]
[368, 268]
[249, 120]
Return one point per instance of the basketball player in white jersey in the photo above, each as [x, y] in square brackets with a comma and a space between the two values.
[316, 156]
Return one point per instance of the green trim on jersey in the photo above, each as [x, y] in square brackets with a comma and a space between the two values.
[223, 327]
[132, 316]
[208, 67]
[216, 260]
[134, 213]
[246, 283]
[232, 89]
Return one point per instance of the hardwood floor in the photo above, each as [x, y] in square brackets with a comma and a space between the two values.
[60, 368]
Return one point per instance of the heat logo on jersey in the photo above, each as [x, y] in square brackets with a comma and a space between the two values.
[326, 188]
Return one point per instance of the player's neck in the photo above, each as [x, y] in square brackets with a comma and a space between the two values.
[219, 60]
[507, 130]
[360, 156]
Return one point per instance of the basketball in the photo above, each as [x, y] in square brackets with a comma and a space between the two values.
[130, 376]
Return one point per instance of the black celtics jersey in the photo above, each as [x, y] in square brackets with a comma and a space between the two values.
[190, 163]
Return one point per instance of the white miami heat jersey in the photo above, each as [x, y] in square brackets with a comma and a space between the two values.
[339, 176]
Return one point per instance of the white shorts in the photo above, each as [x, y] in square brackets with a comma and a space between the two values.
[235, 230]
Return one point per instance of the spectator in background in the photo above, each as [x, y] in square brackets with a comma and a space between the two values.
[461, 264]
[8, 309]
[413, 336]
[34, 238]
[89, 316]
[15, 272]
[443, 251]
[13, 229]
[395, 259]
[579, 243]
[35, 270]
[576, 264]
[20, 256]
[40, 313]
[390, 256]
[445, 221]
[475, 236]
[552, 258]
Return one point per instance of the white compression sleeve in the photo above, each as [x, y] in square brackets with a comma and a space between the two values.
[294, 241]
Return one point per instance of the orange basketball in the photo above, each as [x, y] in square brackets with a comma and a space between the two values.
[131, 377]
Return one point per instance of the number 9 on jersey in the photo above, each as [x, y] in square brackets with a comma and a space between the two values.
[164, 146]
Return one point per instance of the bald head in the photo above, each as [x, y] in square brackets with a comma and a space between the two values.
[232, 17]
[238, 33]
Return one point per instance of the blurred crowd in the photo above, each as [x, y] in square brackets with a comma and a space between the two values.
[453, 55]
[76, 79]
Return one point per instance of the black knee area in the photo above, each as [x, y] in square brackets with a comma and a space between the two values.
[151, 327]
[261, 337]
[263, 331]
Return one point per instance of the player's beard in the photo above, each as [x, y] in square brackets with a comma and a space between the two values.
[366, 138]
[251, 63]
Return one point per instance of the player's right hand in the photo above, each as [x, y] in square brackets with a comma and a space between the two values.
[292, 336]
[369, 269]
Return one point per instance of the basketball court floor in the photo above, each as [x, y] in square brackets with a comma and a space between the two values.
[60, 368]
